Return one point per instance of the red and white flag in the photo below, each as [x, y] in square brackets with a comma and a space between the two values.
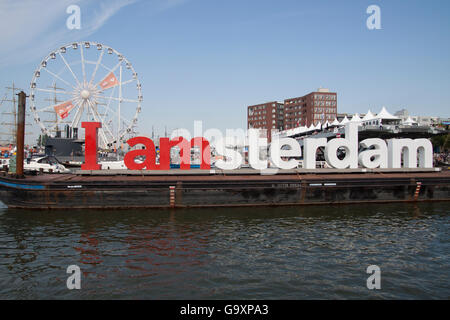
[109, 81]
[63, 109]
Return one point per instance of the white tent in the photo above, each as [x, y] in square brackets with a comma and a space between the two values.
[335, 123]
[344, 121]
[385, 115]
[302, 129]
[369, 116]
[298, 130]
[356, 118]
[409, 122]
[319, 126]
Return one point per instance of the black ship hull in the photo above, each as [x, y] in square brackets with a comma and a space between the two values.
[178, 191]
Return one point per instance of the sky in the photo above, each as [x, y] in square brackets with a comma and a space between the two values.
[209, 59]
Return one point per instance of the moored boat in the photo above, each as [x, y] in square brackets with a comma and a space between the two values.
[113, 189]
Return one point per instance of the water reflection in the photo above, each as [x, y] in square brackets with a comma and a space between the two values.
[286, 252]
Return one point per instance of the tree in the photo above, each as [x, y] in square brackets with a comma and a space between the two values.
[42, 140]
[441, 141]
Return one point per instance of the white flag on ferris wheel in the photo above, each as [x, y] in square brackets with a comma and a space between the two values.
[109, 81]
[63, 109]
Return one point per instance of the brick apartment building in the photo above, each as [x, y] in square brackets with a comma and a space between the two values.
[315, 107]
[267, 116]
[318, 106]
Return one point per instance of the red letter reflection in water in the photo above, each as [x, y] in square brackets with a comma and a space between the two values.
[90, 145]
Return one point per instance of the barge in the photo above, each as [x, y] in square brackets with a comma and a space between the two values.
[123, 189]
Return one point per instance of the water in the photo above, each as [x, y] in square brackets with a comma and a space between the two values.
[246, 253]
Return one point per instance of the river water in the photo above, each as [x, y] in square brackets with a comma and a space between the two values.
[244, 253]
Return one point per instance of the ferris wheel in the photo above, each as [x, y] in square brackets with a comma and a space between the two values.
[86, 81]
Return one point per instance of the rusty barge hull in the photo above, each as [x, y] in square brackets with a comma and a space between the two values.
[179, 191]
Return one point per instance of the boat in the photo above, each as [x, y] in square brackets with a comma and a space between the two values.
[113, 165]
[124, 189]
[4, 164]
[46, 164]
[72, 164]
[175, 188]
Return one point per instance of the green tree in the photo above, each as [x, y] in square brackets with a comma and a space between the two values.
[441, 141]
[42, 140]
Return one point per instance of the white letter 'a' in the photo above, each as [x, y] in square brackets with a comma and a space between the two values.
[374, 281]
[74, 20]
[374, 21]
[74, 281]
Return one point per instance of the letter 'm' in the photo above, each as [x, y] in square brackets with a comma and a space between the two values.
[411, 150]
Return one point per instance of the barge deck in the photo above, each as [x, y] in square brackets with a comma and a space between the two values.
[204, 188]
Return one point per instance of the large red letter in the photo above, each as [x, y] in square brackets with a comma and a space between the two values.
[149, 153]
[90, 145]
[185, 151]
[205, 151]
[164, 155]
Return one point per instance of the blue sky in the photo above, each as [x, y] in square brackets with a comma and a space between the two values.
[208, 59]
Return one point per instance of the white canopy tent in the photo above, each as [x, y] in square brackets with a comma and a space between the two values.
[385, 115]
[298, 130]
[410, 122]
[344, 121]
[335, 123]
[356, 118]
[369, 116]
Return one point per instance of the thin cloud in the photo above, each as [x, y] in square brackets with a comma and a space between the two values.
[35, 27]
[107, 10]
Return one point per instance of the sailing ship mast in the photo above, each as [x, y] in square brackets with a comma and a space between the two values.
[9, 123]
[10, 126]
[55, 101]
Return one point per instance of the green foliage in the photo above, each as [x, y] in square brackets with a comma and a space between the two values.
[442, 141]
[42, 140]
